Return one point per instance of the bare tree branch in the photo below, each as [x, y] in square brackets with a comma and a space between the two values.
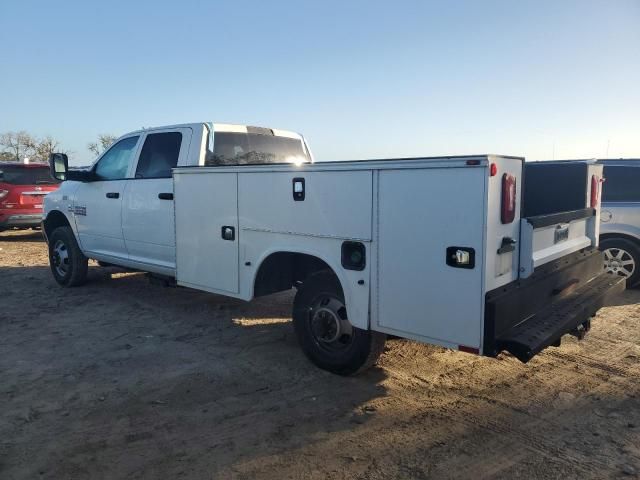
[104, 142]
[17, 146]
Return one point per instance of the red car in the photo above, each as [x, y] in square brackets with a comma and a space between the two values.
[22, 190]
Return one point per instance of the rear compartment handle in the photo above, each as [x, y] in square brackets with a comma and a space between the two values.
[113, 195]
[508, 245]
[562, 288]
[165, 196]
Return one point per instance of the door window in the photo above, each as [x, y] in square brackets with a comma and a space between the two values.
[159, 155]
[622, 184]
[114, 164]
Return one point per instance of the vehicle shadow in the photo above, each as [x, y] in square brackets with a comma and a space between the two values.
[139, 367]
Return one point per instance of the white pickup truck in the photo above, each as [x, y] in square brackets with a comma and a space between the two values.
[464, 252]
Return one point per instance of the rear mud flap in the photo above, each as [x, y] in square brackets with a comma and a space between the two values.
[571, 313]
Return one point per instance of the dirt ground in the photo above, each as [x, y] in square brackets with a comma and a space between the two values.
[124, 379]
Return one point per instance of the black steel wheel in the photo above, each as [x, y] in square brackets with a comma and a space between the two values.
[324, 331]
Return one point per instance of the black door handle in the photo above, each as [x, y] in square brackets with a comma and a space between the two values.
[165, 196]
[113, 195]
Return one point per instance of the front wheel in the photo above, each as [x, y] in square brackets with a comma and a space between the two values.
[622, 258]
[68, 265]
[324, 331]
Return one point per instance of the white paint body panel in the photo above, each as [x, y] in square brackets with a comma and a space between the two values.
[147, 221]
[421, 213]
[256, 246]
[501, 269]
[100, 227]
[204, 204]
[405, 212]
[336, 205]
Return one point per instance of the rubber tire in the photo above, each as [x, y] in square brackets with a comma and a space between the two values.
[366, 347]
[77, 274]
[634, 251]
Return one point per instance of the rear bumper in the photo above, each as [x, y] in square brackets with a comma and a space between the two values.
[20, 220]
[530, 315]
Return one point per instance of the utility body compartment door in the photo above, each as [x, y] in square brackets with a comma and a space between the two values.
[422, 215]
[207, 234]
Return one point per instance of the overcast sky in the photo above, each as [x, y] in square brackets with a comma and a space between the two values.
[360, 79]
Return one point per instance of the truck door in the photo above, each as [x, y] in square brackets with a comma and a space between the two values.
[207, 235]
[98, 204]
[147, 213]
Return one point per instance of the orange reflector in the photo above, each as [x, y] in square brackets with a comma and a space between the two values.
[475, 351]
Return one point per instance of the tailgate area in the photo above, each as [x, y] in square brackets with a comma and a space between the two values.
[560, 213]
[527, 316]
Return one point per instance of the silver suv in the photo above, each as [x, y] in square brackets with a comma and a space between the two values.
[620, 218]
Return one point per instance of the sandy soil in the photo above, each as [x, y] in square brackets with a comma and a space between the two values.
[123, 379]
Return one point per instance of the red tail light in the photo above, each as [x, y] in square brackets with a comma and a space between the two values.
[508, 211]
[595, 191]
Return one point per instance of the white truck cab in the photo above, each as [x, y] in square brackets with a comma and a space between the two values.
[464, 252]
[122, 206]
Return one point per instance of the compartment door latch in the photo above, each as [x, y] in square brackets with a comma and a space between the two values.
[461, 257]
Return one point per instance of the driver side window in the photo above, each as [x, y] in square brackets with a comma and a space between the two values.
[115, 163]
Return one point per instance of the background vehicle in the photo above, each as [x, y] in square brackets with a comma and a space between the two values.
[453, 251]
[620, 218]
[23, 187]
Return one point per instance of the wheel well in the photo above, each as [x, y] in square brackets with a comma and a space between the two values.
[624, 236]
[54, 220]
[282, 270]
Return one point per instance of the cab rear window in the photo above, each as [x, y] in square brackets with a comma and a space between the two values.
[237, 148]
[15, 175]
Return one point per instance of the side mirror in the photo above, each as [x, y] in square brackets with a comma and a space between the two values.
[59, 165]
